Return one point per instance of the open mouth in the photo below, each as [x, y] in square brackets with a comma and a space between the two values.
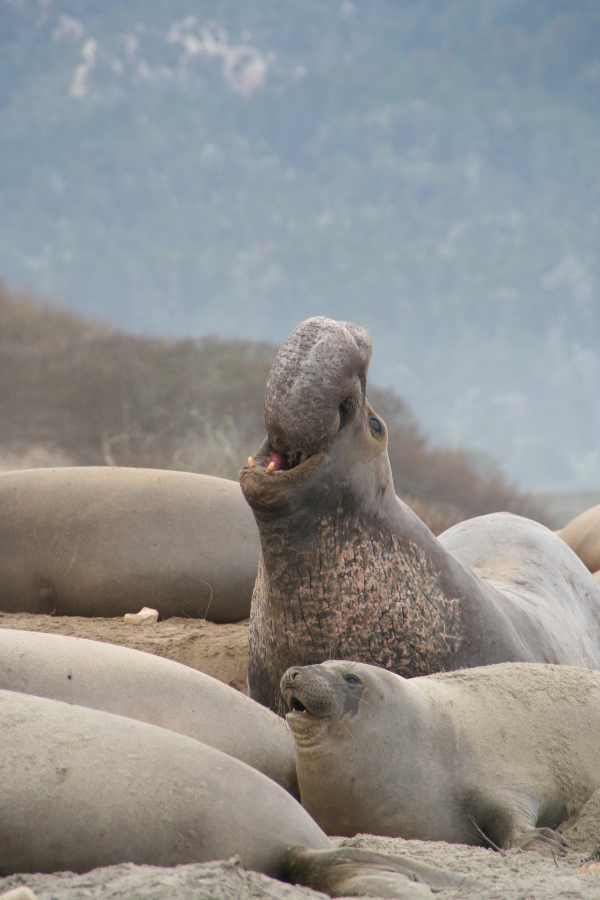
[297, 706]
[273, 461]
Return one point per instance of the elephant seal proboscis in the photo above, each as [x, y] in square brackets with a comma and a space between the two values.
[80, 789]
[348, 571]
[582, 534]
[107, 541]
[151, 689]
[496, 756]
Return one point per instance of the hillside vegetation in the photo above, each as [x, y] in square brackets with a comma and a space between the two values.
[86, 394]
[428, 168]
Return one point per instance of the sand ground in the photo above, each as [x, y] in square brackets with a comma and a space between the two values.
[516, 875]
[220, 651]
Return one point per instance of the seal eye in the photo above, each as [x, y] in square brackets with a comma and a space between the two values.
[375, 425]
[351, 679]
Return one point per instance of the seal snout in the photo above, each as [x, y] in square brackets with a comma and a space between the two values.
[308, 691]
[316, 382]
[288, 689]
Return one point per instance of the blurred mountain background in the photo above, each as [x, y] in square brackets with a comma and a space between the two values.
[73, 392]
[427, 168]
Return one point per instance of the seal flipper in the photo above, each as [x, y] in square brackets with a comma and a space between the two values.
[509, 819]
[352, 872]
[544, 840]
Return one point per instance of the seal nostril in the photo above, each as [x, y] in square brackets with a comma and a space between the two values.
[347, 408]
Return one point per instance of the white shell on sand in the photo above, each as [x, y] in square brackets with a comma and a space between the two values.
[146, 616]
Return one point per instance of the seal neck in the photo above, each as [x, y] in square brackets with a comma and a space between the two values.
[362, 584]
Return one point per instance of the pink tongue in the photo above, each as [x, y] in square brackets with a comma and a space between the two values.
[278, 458]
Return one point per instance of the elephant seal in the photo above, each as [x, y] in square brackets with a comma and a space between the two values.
[107, 541]
[80, 789]
[151, 689]
[582, 534]
[348, 571]
[496, 756]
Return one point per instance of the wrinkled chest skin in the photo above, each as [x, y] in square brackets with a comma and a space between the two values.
[347, 593]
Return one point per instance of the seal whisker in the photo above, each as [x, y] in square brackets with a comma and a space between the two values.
[488, 840]
[347, 729]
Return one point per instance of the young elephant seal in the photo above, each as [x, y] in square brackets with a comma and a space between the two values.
[348, 571]
[80, 789]
[496, 756]
[108, 541]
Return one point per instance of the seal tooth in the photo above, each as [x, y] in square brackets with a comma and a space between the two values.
[271, 467]
[250, 462]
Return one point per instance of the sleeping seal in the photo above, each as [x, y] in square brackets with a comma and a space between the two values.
[496, 756]
[80, 789]
[582, 534]
[107, 541]
[154, 690]
[348, 571]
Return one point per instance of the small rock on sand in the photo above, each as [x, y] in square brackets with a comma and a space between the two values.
[146, 616]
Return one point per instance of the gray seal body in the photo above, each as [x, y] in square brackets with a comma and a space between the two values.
[81, 789]
[151, 689]
[108, 541]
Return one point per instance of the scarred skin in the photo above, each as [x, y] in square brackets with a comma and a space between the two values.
[348, 571]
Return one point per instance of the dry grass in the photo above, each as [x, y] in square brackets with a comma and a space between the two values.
[101, 396]
[444, 486]
[75, 392]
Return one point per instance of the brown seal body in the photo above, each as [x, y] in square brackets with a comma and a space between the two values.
[582, 534]
[80, 789]
[494, 756]
[348, 571]
[151, 689]
[108, 541]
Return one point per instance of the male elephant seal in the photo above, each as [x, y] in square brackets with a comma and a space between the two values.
[107, 541]
[348, 571]
[154, 690]
[496, 756]
[80, 789]
[582, 534]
